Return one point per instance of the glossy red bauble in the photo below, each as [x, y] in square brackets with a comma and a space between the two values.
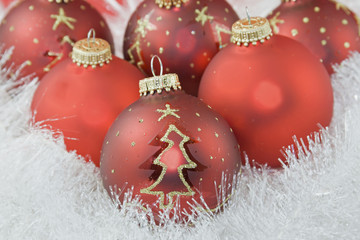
[43, 32]
[171, 148]
[185, 37]
[82, 103]
[268, 93]
[328, 28]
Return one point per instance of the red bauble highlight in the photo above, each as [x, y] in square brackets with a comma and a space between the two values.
[185, 37]
[82, 103]
[173, 147]
[43, 32]
[328, 28]
[268, 93]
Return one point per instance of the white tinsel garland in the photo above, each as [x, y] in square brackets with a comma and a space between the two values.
[48, 193]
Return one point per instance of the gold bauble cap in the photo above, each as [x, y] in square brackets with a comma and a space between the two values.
[157, 84]
[91, 51]
[61, 1]
[170, 3]
[251, 31]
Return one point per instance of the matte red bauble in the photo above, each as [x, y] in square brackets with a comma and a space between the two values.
[171, 148]
[82, 103]
[328, 28]
[43, 31]
[193, 31]
[268, 90]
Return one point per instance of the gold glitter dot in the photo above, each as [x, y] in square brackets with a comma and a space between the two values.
[107, 142]
[216, 119]
[211, 157]
[130, 109]
[12, 28]
[192, 65]
[193, 76]
[198, 2]
[316, 9]
[159, 18]
[197, 114]
[35, 40]
[167, 33]
[199, 129]
[133, 144]
[161, 50]
[201, 179]
[178, 45]
[148, 44]
[209, 107]
[306, 19]
[118, 133]
[225, 19]
[345, 22]
[231, 130]
[180, 19]
[167, 69]
[219, 186]
[322, 30]
[222, 159]
[294, 32]
[346, 44]
[226, 10]
[31, 7]
[102, 24]
[113, 171]
[216, 135]
[193, 32]
[323, 42]
[82, 7]
[28, 62]
[141, 120]
[321, 60]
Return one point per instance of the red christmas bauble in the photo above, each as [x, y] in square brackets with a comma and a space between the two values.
[328, 28]
[82, 103]
[267, 92]
[186, 37]
[43, 32]
[171, 148]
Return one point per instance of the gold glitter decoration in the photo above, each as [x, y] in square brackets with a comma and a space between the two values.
[180, 19]
[167, 112]
[216, 135]
[294, 32]
[11, 28]
[102, 24]
[118, 133]
[340, 6]
[82, 7]
[306, 20]
[161, 50]
[57, 58]
[274, 21]
[220, 30]
[36, 41]
[62, 19]
[323, 42]
[189, 165]
[316, 9]
[133, 144]
[28, 62]
[253, 30]
[358, 22]
[344, 22]
[202, 16]
[141, 120]
[347, 45]
[112, 171]
[67, 39]
[197, 114]
[170, 3]
[143, 26]
[322, 30]
[199, 129]
[31, 8]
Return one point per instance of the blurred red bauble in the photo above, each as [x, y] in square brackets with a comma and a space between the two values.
[82, 103]
[43, 31]
[268, 90]
[328, 28]
[170, 147]
[186, 36]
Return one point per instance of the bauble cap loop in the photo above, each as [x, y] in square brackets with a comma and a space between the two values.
[251, 31]
[91, 52]
[170, 3]
[159, 83]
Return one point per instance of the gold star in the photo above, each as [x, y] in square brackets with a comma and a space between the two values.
[167, 112]
[219, 30]
[140, 63]
[62, 18]
[202, 17]
[144, 25]
[274, 21]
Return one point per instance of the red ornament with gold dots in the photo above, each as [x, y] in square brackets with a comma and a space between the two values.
[269, 89]
[82, 97]
[328, 28]
[171, 148]
[44, 31]
[186, 34]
